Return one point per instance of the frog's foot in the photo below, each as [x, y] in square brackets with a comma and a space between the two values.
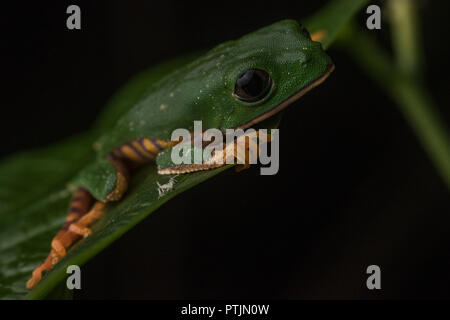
[80, 227]
[51, 260]
[79, 205]
[245, 157]
[247, 150]
[82, 231]
[58, 246]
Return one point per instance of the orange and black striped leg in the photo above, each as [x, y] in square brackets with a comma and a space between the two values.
[122, 178]
[130, 155]
[79, 205]
[138, 152]
[81, 226]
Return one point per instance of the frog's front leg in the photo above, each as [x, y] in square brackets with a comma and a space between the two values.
[167, 165]
[80, 204]
[244, 151]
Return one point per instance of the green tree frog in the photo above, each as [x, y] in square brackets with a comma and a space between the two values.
[237, 84]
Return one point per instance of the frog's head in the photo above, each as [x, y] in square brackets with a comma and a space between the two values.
[265, 71]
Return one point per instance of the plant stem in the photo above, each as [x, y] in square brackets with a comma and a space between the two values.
[405, 32]
[412, 98]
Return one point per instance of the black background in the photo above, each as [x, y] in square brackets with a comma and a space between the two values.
[355, 187]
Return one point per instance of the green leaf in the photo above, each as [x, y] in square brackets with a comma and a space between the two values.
[33, 202]
[35, 188]
[143, 197]
[34, 197]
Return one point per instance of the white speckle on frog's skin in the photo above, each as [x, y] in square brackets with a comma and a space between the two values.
[163, 106]
[171, 94]
[142, 122]
[166, 187]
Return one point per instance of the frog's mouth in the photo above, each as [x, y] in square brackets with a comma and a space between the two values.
[289, 100]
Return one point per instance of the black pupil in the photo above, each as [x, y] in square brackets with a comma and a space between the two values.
[252, 85]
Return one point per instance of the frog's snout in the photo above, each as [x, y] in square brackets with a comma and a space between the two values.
[310, 52]
[313, 54]
[304, 62]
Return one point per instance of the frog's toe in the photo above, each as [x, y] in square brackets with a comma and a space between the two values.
[82, 231]
[58, 247]
[241, 167]
[36, 276]
[81, 226]
[34, 280]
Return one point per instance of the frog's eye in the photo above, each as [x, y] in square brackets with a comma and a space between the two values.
[252, 85]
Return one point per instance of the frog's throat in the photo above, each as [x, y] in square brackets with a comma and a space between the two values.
[289, 100]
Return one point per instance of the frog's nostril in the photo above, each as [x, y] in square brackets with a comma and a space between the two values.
[306, 61]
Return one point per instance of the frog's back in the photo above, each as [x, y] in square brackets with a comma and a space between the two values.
[170, 102]
[135, 90]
